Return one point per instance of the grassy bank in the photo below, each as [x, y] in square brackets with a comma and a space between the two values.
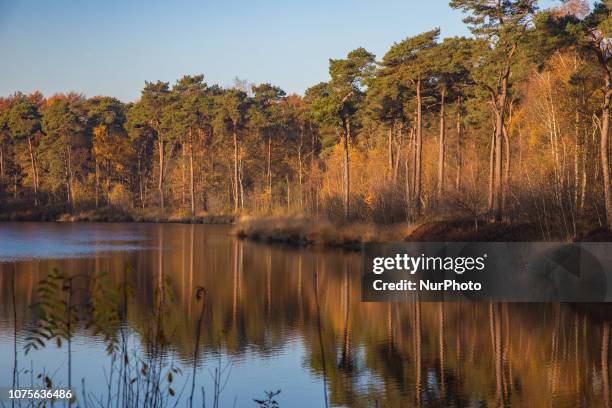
[112, 214]
[307, 232]
[304, 231]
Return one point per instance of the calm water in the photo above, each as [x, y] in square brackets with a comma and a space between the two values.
[278, 318]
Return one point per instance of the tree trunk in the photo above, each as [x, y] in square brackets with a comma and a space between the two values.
[398, 154]
[576, 161]
[605, 126]
[407, 180]
[69, 170]
[34, 171]
[583, 185]
[491, 171]
[191, 178]
[346, 140]
[230, 186]
[459, 142]
[390, 149]
[236, 192]
[108, 182]
[418, 151]
[269, 164]
[412, 144]
[288, 193]
[313, 194]
[183, 176]
[97, 178]
[409, 170]
[1, 165]
[241, 186]
[140, 187]
[67, 184]
[500, 111]
[300, 166]
[441, 148]
[202, 167]
[2, 187]
[160, 186]
[506, 180]
[497, 167]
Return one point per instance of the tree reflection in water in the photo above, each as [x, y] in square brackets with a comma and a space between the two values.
[259, 299]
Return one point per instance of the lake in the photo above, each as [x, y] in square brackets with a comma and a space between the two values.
[270, 318]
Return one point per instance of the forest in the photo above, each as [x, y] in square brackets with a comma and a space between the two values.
[509, 125]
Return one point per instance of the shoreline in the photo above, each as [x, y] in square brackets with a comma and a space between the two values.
[113, 215]
[303, 231]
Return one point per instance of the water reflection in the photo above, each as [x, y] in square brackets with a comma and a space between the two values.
[275, 317]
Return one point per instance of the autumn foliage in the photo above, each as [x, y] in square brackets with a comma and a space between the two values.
[509, 125]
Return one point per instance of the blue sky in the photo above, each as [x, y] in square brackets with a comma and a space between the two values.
[111, 47]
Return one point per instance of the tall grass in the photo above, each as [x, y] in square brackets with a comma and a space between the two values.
[306, 231]
[138, 376]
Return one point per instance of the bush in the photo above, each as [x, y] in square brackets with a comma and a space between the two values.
[120, 196]
[387, 205]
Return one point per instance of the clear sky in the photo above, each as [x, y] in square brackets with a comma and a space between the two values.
[110, 47]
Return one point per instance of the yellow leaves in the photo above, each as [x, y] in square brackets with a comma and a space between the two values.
[99, 134]
[367, 168]
[108, 145]
[119, 196]
[550, 109]
[370, 199]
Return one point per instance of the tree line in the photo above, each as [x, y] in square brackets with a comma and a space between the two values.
[510, 124]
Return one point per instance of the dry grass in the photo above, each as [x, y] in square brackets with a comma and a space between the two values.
[306, 231]
[100, 215]
[118, 215]
[464, 230]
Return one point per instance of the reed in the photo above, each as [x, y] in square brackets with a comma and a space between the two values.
[67, 304]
